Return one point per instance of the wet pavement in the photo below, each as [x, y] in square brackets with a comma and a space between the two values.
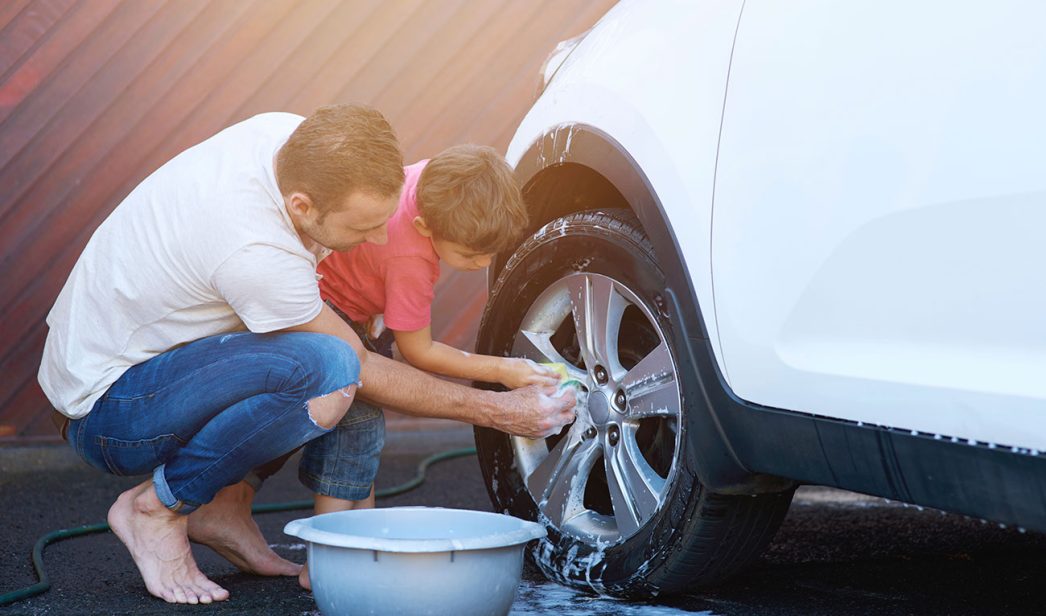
[836, 553]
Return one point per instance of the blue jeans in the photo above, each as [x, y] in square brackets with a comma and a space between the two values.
[204, 415]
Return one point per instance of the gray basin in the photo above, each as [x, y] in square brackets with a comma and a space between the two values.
[415, 560]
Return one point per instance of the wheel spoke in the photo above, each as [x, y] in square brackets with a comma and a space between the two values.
[595, 525]
[558, 483]
[651, 386]
[597, 310]
[635, 488]
[538, 347]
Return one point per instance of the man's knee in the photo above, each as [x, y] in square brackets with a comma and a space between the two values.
[327, 363]
[326, 373]
[328, 410]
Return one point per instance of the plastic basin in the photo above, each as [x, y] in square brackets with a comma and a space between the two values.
[415, 560]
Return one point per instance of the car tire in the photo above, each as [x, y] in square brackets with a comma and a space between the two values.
[655, 533]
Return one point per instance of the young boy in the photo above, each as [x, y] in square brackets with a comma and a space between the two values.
[461, 207]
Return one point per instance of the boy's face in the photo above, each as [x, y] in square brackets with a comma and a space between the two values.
[461, 257]
[457, 256]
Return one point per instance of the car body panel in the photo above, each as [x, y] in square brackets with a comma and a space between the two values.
[615, 107]
[607, 85]
[879, 201]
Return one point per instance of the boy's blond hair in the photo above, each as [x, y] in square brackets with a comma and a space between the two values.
[339, 150]
[468, 195]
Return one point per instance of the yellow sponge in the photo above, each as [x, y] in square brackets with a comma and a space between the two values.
[560, 369]
[565, 380]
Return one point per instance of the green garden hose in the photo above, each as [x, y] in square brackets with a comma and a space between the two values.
[68, 533]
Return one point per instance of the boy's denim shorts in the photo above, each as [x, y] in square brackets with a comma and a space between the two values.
[344, 462]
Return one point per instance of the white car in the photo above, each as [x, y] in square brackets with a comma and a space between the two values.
[779, 243]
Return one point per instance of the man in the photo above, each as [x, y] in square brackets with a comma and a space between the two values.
[190, 341]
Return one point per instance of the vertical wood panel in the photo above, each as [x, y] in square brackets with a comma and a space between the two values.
[9, 11]
[62, 211]
[95, 94]
[27, 27]
[28, 76]
[354, 53]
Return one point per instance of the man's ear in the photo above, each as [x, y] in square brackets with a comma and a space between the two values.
[421, 226]
[300, 204]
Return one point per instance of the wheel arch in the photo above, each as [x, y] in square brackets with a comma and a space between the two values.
[577, 167]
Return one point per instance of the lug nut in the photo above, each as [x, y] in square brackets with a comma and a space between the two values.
[613, 435]
[620, 400]
[590, 433]
[601, 375]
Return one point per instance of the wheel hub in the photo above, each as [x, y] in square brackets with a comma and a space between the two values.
[598, 408]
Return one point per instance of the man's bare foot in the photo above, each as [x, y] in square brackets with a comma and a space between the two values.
[303, 578]
[225, 525]
[157, 539]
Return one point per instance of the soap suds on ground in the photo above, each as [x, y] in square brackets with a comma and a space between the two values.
[549, 597]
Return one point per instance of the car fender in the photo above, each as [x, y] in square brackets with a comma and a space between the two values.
[571, 147]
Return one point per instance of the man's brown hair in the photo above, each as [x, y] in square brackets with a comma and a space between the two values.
[468, 195]
[340, 150]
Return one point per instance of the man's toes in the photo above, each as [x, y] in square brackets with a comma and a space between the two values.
[179, 595]
[191, 596]
[220, 594]
[203, 594]
[277, 565]
[212, 590]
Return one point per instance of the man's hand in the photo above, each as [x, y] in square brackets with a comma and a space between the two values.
[514, 372]
[532, 411]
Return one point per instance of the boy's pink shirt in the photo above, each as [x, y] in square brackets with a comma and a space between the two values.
[397, 279]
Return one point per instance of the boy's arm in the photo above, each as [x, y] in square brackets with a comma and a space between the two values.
[421, 351]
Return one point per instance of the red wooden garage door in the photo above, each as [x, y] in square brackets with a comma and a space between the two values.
[95, 94]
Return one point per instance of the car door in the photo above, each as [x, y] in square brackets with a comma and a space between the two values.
[878, 211]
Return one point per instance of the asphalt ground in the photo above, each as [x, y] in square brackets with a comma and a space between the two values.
[836, 553]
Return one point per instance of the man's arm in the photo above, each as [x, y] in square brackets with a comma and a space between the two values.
[328, 322]
[530, 411]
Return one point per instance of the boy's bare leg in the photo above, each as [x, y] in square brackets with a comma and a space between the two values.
[225, 525]
[329, 504]
[158, 541]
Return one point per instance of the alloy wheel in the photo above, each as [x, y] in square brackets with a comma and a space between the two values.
[608, 473]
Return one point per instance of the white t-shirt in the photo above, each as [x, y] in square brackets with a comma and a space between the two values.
[202, 246]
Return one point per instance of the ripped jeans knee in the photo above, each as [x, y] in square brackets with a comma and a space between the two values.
[326, 411]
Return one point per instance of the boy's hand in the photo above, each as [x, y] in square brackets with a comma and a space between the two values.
[375, 326]
[514, 372]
